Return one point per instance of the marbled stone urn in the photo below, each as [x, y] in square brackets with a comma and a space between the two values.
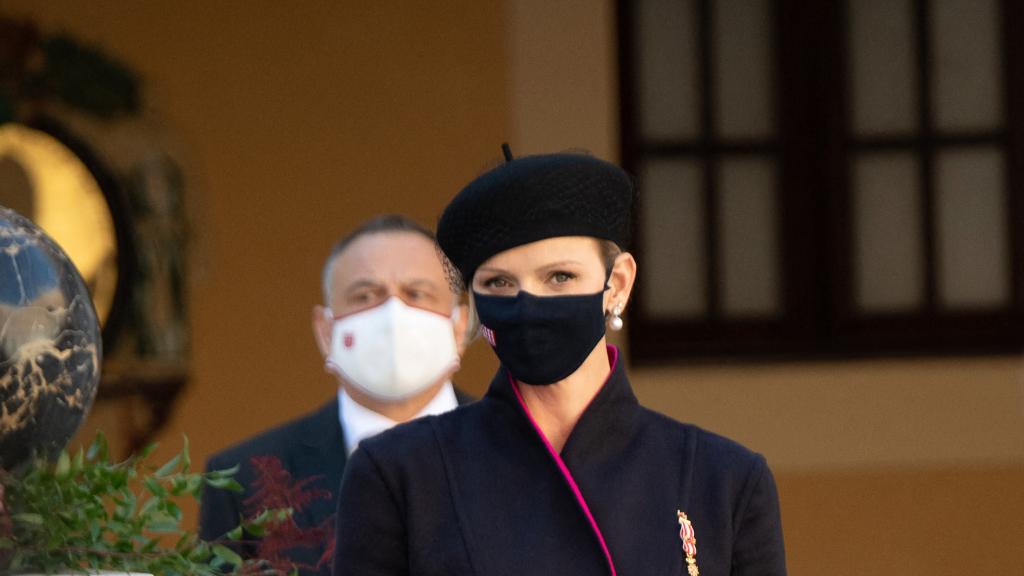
[50, 347]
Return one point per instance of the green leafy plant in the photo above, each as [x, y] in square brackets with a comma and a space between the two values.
[84, 512]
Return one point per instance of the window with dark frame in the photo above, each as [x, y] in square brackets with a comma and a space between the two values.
[828, 178]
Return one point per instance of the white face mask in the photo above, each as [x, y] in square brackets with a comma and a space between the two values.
[393, 351]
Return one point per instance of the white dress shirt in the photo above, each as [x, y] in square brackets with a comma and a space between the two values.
[359, 422]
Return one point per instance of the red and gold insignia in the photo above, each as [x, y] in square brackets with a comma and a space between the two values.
[689, 538]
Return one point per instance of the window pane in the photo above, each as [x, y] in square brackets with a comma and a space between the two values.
[674, 277]
[887, 240]
[742, 38]
[966, 66]
[668, 68]
[971, 235]
[748, 236]
[882, 56]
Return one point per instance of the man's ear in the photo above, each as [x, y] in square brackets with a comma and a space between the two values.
[460, 322]
[621, 280]
[322, 322]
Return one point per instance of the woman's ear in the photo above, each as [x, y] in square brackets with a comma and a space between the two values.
[620, 282]
[322, 321]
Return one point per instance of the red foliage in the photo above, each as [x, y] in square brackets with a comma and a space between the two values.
[273, 488]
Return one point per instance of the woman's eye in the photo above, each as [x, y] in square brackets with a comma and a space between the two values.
[497, 282]
[562, 277]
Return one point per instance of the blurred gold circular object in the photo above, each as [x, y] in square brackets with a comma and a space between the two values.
[45, 181]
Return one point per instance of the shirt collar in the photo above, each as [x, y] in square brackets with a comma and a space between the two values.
[359, 422]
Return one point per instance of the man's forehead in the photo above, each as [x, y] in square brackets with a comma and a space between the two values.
[388, 257]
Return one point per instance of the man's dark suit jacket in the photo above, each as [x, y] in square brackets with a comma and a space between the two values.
[311, 448]
[478, 492]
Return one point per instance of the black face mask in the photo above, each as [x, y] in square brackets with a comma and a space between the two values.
[541, 339]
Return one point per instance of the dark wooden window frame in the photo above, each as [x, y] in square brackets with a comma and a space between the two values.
[813, 149]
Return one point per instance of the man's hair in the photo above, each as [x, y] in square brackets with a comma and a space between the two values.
[376, 225]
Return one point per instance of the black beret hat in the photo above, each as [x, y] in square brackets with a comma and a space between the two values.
[533, 198]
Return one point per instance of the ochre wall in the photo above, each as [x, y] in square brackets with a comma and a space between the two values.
[305, 119]
[301, 120]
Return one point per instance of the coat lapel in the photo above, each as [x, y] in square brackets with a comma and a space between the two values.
[528, 522]
[602, 454]
[321, 453]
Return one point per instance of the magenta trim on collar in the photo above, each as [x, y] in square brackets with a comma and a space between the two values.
[613, 357]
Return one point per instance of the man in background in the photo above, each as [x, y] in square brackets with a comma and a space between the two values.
[392, 331]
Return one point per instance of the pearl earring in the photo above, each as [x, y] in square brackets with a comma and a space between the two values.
[615, 322]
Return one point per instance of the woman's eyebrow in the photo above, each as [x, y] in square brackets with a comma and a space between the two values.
[544, 267]
[561, 263]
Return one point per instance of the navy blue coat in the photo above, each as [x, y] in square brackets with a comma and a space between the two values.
[310, 449]
[478, 492]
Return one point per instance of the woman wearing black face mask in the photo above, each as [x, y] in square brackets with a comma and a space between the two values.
[558, 469]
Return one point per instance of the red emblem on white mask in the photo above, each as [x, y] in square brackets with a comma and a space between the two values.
[349, 340]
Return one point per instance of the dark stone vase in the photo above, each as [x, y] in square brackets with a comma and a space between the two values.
[50, 347]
